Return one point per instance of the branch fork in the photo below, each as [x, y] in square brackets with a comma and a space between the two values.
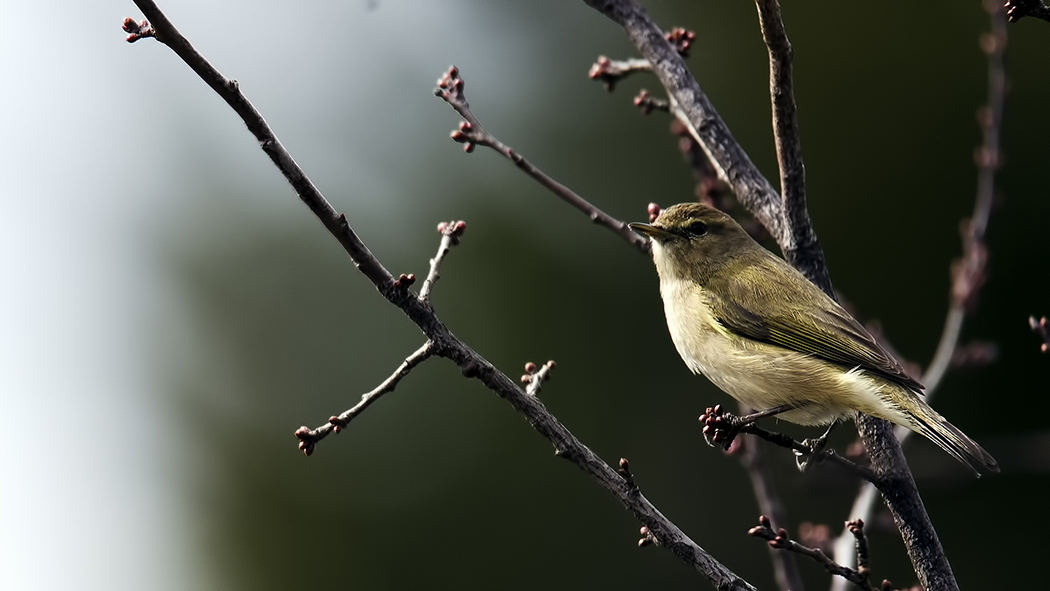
[779, 539]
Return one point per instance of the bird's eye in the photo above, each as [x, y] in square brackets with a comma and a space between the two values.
[697, 228]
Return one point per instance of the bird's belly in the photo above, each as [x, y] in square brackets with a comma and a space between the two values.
[765, 376]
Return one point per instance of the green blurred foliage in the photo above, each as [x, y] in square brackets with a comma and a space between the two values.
[442, 485]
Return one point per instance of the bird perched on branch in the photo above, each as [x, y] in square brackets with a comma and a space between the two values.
[760, 331]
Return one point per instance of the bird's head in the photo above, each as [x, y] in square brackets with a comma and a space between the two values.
[693, 241]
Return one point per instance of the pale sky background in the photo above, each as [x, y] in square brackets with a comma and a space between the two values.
[86, 144]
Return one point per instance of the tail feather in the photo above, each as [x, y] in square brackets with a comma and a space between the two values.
[937, 429]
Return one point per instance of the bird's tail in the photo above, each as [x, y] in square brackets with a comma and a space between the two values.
[928, 423]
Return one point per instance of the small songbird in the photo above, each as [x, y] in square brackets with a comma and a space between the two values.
[760, 331]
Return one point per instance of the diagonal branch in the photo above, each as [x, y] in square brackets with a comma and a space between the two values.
[729, 159]
[450, 236]
[440, 339]
[471, 133]
[308, 438]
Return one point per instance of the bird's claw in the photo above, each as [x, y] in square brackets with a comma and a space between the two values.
[804, 459]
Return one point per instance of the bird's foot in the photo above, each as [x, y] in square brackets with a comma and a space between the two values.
[804, 459]
[720, 427]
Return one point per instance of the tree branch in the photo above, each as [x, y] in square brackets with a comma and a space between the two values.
[609, 72]
[471, 133]
[786, 138]
[754, 192]
[450, 236]
[440, 340]
[729, 159]
[780, 540]
[308, 438]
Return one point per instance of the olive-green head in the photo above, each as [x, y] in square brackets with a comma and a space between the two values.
[693, 240]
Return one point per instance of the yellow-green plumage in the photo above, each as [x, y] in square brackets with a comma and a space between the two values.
[760, 331]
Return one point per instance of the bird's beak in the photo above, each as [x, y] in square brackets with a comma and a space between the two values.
[654, 232]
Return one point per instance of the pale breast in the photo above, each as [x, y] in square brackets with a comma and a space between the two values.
[758, 374]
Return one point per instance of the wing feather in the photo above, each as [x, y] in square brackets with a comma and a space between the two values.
[796, 315]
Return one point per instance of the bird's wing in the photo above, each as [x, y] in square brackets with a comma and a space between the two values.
[799, 316]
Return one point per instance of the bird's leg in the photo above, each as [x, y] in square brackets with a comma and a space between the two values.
[721, 427]
[815, 445]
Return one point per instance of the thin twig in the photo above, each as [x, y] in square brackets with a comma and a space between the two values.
[705, 124]
[780, 540]
[534, 377]
[647, 103]
[450, 236]
[968, 272]
[308, 438]
[471, 133]
[856, 528]
[443, 342]
[609, 72]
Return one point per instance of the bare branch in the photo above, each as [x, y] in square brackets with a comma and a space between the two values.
[785, 129]
[471, 133]
[1018, 9]
[308, 438]
[450, 236]
[705, 124]
[609, 72]
[780, 540]
[441, 341]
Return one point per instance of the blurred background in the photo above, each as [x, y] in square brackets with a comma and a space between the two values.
[170, 312]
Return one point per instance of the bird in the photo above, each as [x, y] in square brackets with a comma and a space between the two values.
[771, 339]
